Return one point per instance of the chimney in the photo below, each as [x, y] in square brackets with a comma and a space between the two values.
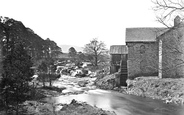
[177, 21]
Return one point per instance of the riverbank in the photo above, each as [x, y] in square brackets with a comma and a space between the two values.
[73, 108]
[167, 89]
[65, 85]
[41, 104]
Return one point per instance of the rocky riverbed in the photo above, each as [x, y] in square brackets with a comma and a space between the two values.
[74, 108]
[167, 89]
[58, 99]
[66, 86]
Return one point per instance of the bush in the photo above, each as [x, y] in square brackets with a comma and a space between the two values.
[46, 77]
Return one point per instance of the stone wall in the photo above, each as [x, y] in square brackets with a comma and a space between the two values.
[173, 52]
[142, 59]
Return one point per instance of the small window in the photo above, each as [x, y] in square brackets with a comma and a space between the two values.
[142, 49]
[143, 65]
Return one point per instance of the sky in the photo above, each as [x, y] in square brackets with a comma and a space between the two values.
[76, 22]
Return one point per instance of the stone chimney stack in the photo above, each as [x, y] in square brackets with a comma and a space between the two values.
[177, 21]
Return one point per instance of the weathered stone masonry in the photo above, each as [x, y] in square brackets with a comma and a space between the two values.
[173, 51]
[142, 51]
[156, 51]
[142, 59]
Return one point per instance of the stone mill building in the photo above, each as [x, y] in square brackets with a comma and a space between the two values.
[142, 51]
[156, 51]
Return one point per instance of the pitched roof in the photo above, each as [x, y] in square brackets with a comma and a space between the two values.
[143, 34]
[118, 49]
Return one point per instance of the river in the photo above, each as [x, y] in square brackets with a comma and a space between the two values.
[121, 104]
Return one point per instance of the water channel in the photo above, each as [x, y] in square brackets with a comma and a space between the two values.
[121, 104]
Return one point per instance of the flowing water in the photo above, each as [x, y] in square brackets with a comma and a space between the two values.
[121, 104]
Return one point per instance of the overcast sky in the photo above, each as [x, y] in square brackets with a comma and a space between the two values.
[76, 22]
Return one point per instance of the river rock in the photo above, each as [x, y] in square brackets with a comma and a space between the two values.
[168, 89]
[82, 83]
[75, 108]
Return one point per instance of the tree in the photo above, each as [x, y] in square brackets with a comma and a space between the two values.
[167, 10]
[47, 69]
[95, 49]
[171, 42]
[17, 73]
[72, 53]
[36, 47]
[52, 49]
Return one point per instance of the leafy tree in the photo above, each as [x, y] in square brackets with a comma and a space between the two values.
[17, 73]
[95, 49]
[52, 48]
[46, 69]
[43, 67]
[36, 47]
[20, 45]
[81, 56]
[72, 53]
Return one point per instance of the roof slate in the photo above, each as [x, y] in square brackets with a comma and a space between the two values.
[143, 34]
[118, 49]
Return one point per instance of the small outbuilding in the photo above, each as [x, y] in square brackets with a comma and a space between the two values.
[119, 54]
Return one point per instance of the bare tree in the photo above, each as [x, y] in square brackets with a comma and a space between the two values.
[167, 10]
[172, 41]
[95, 49]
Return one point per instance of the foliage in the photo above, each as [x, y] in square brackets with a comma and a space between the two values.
[81, 56]
[20, 47]
[47, 77]
[72, 52]
[54, 50]
[94, 50]
[37, 47]
[16, 75]
[43, 67]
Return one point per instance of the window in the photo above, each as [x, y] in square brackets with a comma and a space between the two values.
[142, 49]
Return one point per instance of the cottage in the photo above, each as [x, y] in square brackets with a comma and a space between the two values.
[143, 51]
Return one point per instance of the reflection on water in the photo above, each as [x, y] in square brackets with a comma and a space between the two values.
[122, 104]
